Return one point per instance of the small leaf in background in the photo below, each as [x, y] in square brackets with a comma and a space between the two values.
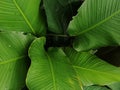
[13, 60]
[21, 15]
[50, 70]
[97, 24]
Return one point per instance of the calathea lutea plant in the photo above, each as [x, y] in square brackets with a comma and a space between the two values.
[50, 44]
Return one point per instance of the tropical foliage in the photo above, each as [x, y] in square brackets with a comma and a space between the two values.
[59, 44]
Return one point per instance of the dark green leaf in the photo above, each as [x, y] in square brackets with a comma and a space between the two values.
[59, 12]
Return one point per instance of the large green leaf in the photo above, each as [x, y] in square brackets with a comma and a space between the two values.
[50, 70]
[97, 24]
[13, 56]
[58, 13]
[21, 15]
[91, 69]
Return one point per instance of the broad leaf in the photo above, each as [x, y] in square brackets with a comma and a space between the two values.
[58, 13]
[21, 15]
[13, 56]
[91, 69]
[96, 88]
[50, 70]
[97, 24]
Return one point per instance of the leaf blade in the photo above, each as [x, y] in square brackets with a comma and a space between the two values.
[96, 20]
[45, 70]
[88, 65]
[22, 16]
[13, 59]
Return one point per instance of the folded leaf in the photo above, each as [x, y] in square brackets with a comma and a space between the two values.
[97, 24]
[21, 15]
[13, 56]
[91, 69]
[50, 70]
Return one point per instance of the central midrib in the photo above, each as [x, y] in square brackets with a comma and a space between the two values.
[92, 70]
[98, 24]
[52, 71]
[12, 60]
[79, 81]
[25, 18]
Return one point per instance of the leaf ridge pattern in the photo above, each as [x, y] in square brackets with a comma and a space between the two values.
[52, 72]
[101, 22]
[12, 60]
[25, 18]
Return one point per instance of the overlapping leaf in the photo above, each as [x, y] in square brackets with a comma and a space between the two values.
[97, 24]
[21, 15]
[50, 70]
[91, 69]
[56, 70]
[13, 54]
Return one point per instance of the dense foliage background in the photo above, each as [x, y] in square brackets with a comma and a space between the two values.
[59, 45]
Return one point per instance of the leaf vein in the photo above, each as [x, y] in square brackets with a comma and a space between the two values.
[12, 60]
[101, 22]
[52, 71]
[25, 18]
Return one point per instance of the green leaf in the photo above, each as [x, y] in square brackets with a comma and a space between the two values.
[114, 86]
[96, 88]
[13, 56]
[58, 13]
[50, 70]
[21, 15]
[97, 24]
[91, 69]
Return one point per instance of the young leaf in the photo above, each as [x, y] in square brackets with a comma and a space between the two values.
[97, 24]
[58, 13]
[91, 69]
[21, 15]
[50, 70]
[13, 54]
